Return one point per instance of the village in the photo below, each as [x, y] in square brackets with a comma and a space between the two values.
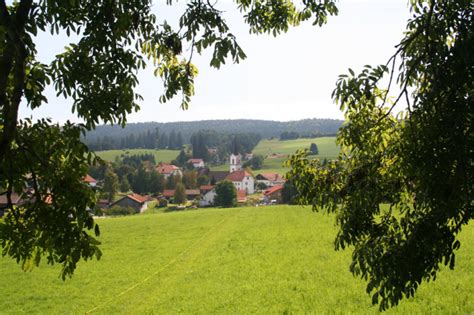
[250, 189]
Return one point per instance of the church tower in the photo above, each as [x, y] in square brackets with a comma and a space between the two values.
[235, 162]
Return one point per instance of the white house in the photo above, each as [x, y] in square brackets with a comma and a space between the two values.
[168, 169]
[196, 163]
[90, 180]
[242, 180]
[235, 162]
[208, 193]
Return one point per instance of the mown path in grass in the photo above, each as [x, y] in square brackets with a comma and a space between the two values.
[244, 260]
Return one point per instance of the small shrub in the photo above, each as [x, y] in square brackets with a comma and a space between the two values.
[162, 203]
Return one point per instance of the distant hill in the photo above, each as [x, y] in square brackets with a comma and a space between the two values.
[266, 128]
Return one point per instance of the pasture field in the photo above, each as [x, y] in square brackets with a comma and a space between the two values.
[276, 259]
[160, 155]
[326, 145]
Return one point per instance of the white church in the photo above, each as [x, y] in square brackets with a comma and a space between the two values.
[241, 178]
[235, 162]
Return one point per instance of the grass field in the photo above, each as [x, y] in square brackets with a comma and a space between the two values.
[160, 155]
[277, 259]
[326, 145]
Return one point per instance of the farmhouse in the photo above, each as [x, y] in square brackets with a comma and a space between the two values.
[270, 179]
[242, 180]
[136, 201]
[89, 180]
[208, 193]
[273, 194]
[191, 194]
[196, 163]
[168, 169]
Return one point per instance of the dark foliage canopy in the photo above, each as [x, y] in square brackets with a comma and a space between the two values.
[46, 163]
[420, 162]
[226, 194]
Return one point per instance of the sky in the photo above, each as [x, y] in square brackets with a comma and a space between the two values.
[289, 77]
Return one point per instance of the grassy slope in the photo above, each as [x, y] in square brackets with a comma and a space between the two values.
[160, 155]
[244, 260]
[326, 145]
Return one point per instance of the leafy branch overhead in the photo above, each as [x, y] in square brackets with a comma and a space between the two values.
[112, 41]
[419, 162]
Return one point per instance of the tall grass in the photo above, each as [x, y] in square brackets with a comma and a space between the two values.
[244, 260]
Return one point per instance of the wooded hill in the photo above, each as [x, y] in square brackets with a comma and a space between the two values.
[265, 128]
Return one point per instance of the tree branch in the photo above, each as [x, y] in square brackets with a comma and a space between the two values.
[14, 57]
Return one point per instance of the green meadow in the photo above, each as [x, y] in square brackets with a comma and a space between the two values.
[326, 145]
[160, 155]
[277, 259]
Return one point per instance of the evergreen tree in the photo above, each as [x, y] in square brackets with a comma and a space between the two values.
[124, 185]
[190, 179]
[313, 148]
[157, 182]
[111, 184]
[163, 141]
[172, 140]
[179, 141]
[182, 158]
[172, 181]
[179, 194]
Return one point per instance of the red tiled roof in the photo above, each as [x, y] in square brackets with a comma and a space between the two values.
[188, 192]
[89, 179]
[206, 187]
[195, 161]
[138, 198]
[168, 192]
[273, 189]
[238, 176]
[241, 195]
[218, 175]
[273, 177]
[164, 168]
[193, 192]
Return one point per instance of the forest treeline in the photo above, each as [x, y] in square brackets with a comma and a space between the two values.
[149, 139]
[173, 134]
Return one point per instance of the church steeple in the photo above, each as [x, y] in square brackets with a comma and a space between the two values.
[235, 162]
